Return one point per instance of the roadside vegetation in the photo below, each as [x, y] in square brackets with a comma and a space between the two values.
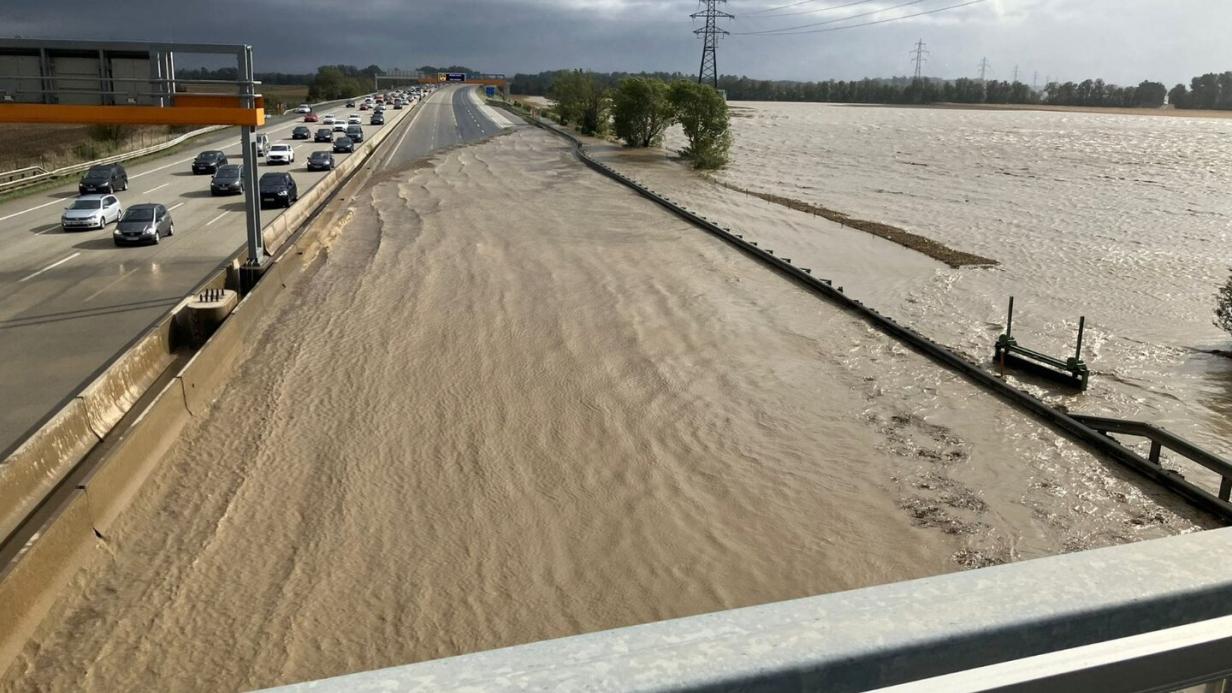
[1208, 91]
[1223, 307]
[638, 110]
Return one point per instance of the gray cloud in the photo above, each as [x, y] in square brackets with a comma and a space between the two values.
[1119, 40]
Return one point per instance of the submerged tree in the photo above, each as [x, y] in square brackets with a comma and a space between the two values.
[581, 99]
[642, 110]
[1223, 307]
[702, 112]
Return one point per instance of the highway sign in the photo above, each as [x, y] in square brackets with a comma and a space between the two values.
[455, 76]
[491, 90]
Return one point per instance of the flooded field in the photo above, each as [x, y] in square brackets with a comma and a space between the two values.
[515, 402]
[1124, 219]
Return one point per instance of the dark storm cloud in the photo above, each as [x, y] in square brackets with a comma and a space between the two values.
[1120, 40]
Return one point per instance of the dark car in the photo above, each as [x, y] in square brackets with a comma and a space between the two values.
[301, 133]
[142, 224]
[350, 104]
[344, 144]
[103, 179]
[377, 119]
[208, 162]
[227, 181]
[356, 133]
[324, 135]
[320, 161]
[278, 190]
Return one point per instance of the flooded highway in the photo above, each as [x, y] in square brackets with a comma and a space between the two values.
[515, 401]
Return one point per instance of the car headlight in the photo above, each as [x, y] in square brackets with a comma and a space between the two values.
[149, 230]
[282, 193]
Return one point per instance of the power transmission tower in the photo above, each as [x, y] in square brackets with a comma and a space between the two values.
[984, 68]
[1015, 75]
[1035, 81]
[920, 55]
[710, 33]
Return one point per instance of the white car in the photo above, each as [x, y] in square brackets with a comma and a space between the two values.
[354, 119]
[280, 154]
[304, 108]
[91, 212]
[340, 126]
[327, 120]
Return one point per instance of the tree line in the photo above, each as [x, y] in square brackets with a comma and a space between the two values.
[1211, 90]
[639, 109]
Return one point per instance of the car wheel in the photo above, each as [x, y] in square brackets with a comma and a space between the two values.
[171, 230]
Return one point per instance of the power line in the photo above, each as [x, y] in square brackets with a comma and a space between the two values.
[784, 7]
[864, 24]
[829, 21]
[710, 33]
[819, 10]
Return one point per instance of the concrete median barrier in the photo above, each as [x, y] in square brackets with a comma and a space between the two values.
[115, 479]
[34, 469]
[113, 393]
[48, 559]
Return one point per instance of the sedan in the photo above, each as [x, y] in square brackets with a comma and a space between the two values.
[301, 133]
[144, 223]
[321, 161]
[350, 104]
[227, 181]
[324, 135]
[91, 212]
[208, 162]
[354, 120]
[363, 106]
[311, 118]
[377, 119]
[304, 108]
[278, 189]
[344, 145]
[328, 120]
[280, 154]
[340, 127]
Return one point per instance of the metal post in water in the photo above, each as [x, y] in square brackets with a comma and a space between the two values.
[1082, 321]
[1009, 319]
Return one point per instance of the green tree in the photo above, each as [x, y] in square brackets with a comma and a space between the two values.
[703, 114]
[1178, 96]
[581, 98]
[1223, 307]
[642, 110]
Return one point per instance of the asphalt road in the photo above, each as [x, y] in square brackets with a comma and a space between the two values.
[71, 301]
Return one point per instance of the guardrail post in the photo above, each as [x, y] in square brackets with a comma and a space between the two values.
[1156, 448]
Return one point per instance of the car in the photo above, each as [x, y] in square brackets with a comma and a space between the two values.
[340, 127]
[311, 118]
[356, 133]
[209, 161]
[344, 145]
[304, 108]
[324, 135]
[91, 212]
[144, 223]
[278, 189]
[280, 154]
[398, 105]
[350, 104]
[377, 119]
[227, 180]
[363, 106]
[103, 179]
[328, 120]
[321, 161]
[263, 143]
[301, 133]
[354, 119]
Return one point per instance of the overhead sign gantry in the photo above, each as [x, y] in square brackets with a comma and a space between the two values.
[131, 83]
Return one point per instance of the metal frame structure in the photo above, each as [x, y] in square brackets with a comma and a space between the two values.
[68, 81]
[1071, 371]
[710, 33]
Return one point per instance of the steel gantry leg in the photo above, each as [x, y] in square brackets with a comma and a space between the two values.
[255, 263]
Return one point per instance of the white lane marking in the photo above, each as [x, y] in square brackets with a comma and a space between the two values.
[175, 206]
[109, 285]
[158, 188]
[220, 216]
[53, 265]
[45, 204]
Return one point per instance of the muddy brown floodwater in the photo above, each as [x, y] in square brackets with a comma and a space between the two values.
[516, 401]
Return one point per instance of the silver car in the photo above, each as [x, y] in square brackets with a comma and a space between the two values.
[91, 212]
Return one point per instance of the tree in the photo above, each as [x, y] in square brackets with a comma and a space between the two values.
[702, 112]
[1223, 307]
[642, 110]
[582, 99]
[1178, 97]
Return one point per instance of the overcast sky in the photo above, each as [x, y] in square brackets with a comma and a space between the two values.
[1122, 41]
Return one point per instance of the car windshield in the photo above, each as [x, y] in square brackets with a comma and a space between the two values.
[281, 147]
[209, 155]
[271, 180]
[317, 156]
[87, 204]
[227, 173]
[139, 214]
[98, 174]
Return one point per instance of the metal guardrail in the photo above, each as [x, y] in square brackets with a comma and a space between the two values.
[19, 183]
[1034, 614]
[1057, 419]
